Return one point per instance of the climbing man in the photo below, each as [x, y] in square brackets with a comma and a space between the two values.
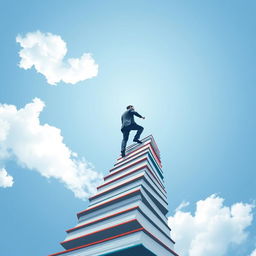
[129, 124]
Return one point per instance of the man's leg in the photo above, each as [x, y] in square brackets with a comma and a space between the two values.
[124, 141]
[139, 130]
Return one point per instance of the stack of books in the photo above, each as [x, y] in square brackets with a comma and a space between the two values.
[127, 215]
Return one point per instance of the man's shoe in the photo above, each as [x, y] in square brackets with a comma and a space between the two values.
[138, 141]
[123, 153]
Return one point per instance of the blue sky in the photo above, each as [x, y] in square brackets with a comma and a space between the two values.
[187, 66]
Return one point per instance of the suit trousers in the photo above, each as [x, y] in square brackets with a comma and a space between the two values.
[126, 131]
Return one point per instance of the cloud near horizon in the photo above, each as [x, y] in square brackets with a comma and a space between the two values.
[40, 147]
[46, 53]
[212, 229]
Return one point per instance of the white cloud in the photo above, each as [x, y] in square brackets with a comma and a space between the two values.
[6, 180]
[46, 53]
[212, 229]
[253, 253]
[40, 147]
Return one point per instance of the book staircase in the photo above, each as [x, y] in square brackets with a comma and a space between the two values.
[127, 215]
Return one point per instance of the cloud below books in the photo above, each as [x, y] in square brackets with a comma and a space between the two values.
[212, 229]
[40, 147]
[46, 53]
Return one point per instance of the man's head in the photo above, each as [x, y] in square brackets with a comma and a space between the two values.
[130, 107]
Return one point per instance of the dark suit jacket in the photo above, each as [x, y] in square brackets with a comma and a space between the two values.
[127, 117]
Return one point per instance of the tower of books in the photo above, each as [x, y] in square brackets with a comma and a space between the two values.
[127, 215]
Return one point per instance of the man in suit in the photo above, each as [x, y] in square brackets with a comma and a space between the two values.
[129, 124]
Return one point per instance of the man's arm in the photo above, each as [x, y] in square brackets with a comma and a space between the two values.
[137, 114]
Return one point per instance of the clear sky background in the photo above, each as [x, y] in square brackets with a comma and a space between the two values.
[187, 66]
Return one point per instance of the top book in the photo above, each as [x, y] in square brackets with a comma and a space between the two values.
[149, 140]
